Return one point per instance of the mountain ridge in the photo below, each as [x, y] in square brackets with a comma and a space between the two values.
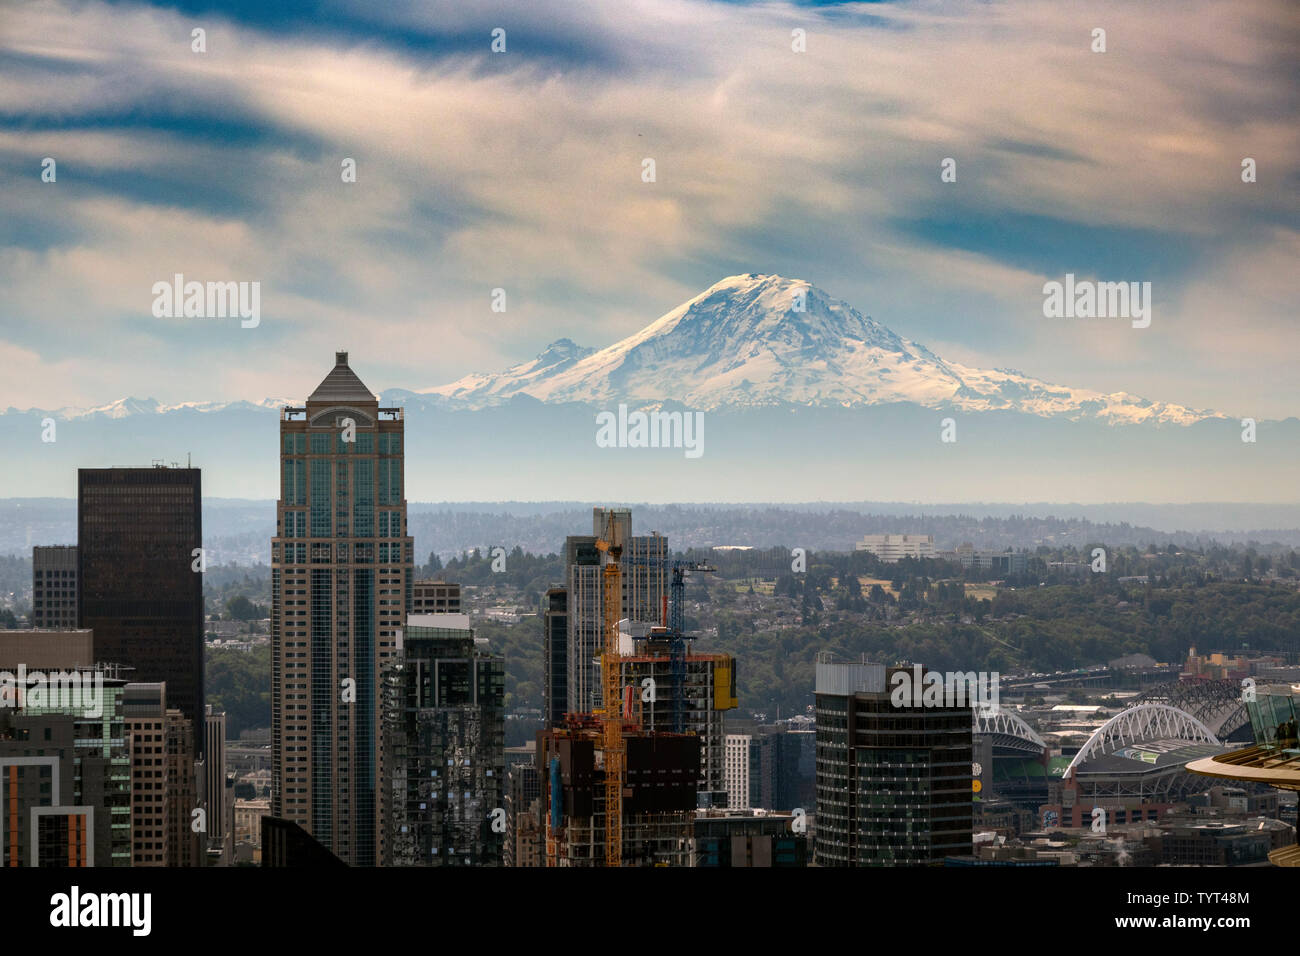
[764, 340]
[748, 341]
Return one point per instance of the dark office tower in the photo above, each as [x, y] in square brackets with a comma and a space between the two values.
[555, 659]
[341, 575]
[893, 782]
[444, 747]
[54, 587]
[140, 577]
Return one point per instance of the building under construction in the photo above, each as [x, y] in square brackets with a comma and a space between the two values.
[662, 773]
[621, 782]
[687, 693]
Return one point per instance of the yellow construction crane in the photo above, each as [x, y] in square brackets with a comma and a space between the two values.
[610, 544]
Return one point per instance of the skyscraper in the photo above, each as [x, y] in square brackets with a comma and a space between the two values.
[163, 779]
[341, 575]
[555, 656]
[444, 747]
[140, 580]
[893, 781]
[738, 771]
[644, 570]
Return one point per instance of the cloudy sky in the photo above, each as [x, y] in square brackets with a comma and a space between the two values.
[522, 170]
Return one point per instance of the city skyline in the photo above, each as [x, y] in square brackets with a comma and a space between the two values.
[583, 434]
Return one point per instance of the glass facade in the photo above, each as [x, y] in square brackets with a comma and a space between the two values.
[1274, 717]
[444, 751]
[893, 783]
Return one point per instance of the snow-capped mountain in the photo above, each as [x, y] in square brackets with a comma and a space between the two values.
[130, 407]
[747, 342]
[799, 397]
[479, 390]
[763, 340]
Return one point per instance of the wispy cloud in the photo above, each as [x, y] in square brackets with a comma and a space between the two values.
[522, 170]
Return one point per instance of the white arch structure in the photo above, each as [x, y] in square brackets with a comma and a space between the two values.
[1005, 723]
[1140, 723]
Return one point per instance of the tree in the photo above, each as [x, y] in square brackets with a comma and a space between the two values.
[242, 609]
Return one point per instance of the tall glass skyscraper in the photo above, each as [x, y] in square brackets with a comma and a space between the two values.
[341, 574]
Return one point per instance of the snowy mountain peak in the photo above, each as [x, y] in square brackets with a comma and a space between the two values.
[770, 309]
[766, 340]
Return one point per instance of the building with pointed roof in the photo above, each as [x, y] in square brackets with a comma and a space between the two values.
[341, 575]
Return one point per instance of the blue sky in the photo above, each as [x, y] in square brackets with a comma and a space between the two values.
[522, 170]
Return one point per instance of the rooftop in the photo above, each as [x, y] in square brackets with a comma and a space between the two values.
[341, 386]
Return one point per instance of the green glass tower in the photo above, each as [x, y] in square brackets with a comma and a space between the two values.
[341, 574]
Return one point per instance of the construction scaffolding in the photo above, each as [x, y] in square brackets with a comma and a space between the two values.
[617, 794]
[656, 806]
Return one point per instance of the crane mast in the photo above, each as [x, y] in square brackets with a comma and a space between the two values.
[611, 545]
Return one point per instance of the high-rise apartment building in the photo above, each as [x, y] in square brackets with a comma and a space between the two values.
[341, 578]
[144, 717]
[140, 580]
[444, 747]
[644, 577]
[164, 779]
[555, 656]
[54, 587]
[737, 771]
[893, 782]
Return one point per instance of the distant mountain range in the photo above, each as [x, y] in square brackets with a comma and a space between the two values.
[803, 398]
[749, 341]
